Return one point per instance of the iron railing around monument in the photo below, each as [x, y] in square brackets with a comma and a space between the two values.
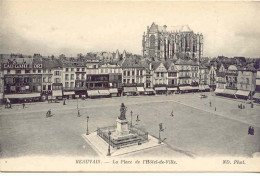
[139, 136]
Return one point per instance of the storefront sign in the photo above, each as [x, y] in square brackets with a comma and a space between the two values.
[22, 66]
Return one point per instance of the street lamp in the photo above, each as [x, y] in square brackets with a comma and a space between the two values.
[87, 125]
[131, 117]
[108, 152]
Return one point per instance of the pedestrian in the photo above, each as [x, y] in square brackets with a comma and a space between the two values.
[78, 113]
[137, 118]
[215, 109]
[23, 105]
[210, 103]
[172, 114]
[249, 130]
[64, 103]
[243, 106]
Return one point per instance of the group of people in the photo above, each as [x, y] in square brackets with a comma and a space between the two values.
[241, 106]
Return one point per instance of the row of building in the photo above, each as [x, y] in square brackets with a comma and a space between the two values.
[39, 78]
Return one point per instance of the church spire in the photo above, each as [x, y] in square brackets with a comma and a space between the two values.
[117, 55]
[124, 54]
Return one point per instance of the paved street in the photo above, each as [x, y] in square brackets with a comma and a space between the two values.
[195, 130]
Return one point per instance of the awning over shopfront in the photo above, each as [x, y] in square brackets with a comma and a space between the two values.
[219, 90]
[32, 95]
[201, 87]
[57, 93]
[172, 88]
[160, 88]
[140, 89]
[104, 92]
[93, 93]
[69, 93]
[229, 91]
[113, 90]
[206, 87]
[149, 90]
[243, 93]
[184, 88]
[194, 88]
[129, 89]
[257, 96]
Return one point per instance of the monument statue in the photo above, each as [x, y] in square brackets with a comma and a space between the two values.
[123, 110]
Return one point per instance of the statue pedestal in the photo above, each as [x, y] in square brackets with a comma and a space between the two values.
[122, 130]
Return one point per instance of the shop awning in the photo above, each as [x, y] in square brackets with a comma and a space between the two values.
[129, 89]
[256, 95]
[172, 88]
[160, 88]
[194, 88]
[243, 93]
[206, 87]
[104, 92]
[219, 90]
[229, 91]
[140, 89]
[69, 93]
[32, 95]
[149, 90]
[201, 87]
[113, 90]
[93, 93]
[184, 88]
[57, 93]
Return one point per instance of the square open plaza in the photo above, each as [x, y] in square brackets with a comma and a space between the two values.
[193, 126]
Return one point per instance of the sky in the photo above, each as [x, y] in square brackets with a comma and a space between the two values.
[71, 27]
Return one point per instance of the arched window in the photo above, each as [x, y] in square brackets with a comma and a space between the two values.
[152, 42]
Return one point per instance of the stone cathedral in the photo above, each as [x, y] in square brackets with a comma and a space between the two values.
[162, 43]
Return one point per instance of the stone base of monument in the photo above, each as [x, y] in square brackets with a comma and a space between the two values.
[101, 146]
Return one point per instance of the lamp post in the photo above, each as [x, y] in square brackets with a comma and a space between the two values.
[87, 125]
[131, 118]
[108, 152]
[159, 140]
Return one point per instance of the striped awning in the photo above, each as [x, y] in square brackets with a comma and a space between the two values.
[93, 93]
[218, 90]
[69, 93]
[172, 88]
[129, 89]
[103, 92]
[113, 90]
[140, 89]
[243, 93]
[31, 95]
[160, 88]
